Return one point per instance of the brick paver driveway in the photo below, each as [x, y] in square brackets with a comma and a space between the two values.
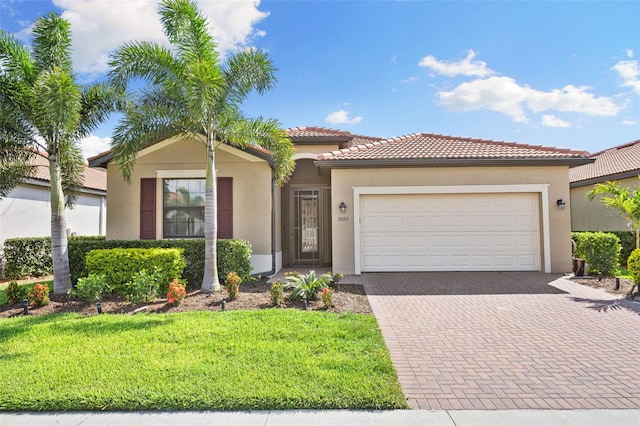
[507, 340]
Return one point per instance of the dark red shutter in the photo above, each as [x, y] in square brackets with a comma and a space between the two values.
[225, 207]
[148, 208]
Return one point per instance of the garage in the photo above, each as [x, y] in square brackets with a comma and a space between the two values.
[450, 232]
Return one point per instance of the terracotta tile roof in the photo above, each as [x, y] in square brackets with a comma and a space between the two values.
[93, 178]
[610, 162]
[430, 146]
[313, 132]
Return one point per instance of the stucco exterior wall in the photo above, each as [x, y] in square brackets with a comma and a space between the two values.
[557, 177]
[183, 158]
[26, 212]
[592, 215]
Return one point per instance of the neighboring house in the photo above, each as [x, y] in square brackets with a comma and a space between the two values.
[26, 212]
[620, 164]
[420, 202]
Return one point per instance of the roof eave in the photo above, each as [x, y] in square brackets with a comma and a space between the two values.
[451, 162]
[605, 178]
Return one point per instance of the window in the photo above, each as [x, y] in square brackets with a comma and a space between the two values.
[183, 208]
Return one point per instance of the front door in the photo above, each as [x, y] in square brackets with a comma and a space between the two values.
[307, 236]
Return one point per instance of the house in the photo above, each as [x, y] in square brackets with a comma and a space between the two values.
[420, 202]
[26, 211]
[620, 164]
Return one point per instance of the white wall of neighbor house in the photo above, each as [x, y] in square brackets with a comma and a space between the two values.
[26, 212]
[554, 178]
[592, 215]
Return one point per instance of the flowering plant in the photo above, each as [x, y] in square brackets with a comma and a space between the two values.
[277, 293]
[327, 297]
[39, 296]
[176, 293]
[232, 284]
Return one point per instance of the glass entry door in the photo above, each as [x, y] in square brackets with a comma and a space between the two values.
[306, 226]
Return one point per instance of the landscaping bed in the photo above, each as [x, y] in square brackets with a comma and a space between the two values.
[608, 284]
[346, 298]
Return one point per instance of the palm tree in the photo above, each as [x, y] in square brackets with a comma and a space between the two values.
[624, 200]
[44, 112]
[192, 94]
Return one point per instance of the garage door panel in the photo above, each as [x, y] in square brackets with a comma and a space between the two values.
[450, 232]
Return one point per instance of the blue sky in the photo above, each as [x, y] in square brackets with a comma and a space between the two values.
[554, 73]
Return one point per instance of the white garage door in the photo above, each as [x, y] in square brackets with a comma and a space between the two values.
[450, 232]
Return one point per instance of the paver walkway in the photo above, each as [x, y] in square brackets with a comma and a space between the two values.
[507, 341]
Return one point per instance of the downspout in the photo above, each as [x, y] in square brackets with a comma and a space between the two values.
[273, 230]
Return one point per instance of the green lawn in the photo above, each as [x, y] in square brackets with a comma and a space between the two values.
[263, 359]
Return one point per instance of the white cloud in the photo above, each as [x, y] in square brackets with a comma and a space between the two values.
[100, 26]
[408, 80]
[342, 117]
[629, 72]
[93, 145]
[467, 66]
[505, 95]
[629, 53]
[500, 94]
[549, 120]
[629, 122]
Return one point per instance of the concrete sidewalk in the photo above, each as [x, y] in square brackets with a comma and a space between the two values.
[331, 417]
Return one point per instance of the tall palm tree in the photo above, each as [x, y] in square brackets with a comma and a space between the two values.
[624, 200]
[45, 112]
[192, 94]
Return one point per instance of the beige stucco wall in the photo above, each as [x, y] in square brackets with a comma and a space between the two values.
[315, 149]
[343, 181]
[251, 190]
[592, 215]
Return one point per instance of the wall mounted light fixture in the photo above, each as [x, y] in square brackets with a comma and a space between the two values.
[343, 207]
[560, 203]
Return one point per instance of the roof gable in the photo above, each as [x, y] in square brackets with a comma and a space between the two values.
[616, 162]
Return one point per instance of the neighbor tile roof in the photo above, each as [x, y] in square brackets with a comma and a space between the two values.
[314, 132]
[610, 162]
[93, 178]
[430, 146]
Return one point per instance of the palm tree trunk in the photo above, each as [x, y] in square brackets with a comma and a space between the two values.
[59, 249]
[210, 281]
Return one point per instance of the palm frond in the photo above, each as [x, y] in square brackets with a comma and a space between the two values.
[57, 101]
[72, 167]
[52, 43]
[148, 61]
[186, 28]
[98, 101]
[15, 59]
[15, 167]
[246, 71]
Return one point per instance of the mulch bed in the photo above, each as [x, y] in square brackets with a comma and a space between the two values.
[347, 298]
[608, 284]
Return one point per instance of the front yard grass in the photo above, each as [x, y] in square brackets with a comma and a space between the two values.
[235, 360]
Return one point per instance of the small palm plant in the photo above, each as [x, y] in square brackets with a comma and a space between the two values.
[307, 285]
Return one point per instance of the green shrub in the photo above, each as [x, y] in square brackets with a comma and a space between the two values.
[233, 255]
[15, 293]
[91, 288]
[600, 250]
[307, 285]
[119, 265]
[628, 243]
[633, 266]
[27, 257]
[143, 287]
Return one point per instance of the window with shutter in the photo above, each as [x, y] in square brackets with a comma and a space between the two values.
[148, 209]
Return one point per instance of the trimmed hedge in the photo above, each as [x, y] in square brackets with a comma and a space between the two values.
[27, 257]
[628, 243]
[233, 255]
[119, 265]
[599, 249]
